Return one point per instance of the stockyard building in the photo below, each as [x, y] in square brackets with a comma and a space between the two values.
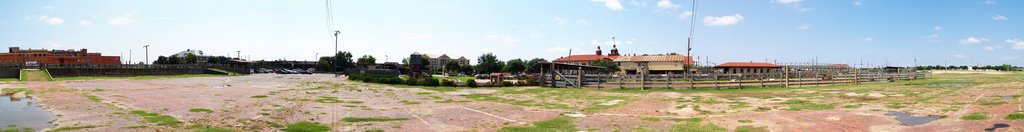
[585, 59]
[28, 57]
[437, 62]
[747, 67]
[656, 64]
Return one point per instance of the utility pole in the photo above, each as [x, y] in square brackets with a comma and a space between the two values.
[689, 39]
[129, 56]
[147, 54]
[239, 54]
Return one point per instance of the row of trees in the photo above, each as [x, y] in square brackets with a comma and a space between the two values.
[489, 63]
[1004, 67]
[486, 63]
[191, 59]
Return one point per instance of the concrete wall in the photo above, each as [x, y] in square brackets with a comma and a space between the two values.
[70, 72]
[10, 72]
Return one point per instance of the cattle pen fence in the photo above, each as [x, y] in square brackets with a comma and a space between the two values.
[570, 76]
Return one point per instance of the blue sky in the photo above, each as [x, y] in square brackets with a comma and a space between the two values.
[878, 32]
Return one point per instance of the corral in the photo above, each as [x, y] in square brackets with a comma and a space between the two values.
[268, 102]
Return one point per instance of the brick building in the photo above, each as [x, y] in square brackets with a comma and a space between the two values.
[18, 56]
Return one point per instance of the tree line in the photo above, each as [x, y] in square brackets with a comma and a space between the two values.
[1004, 67]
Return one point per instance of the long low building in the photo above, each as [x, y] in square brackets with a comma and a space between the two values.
[747, 67]
[18, 56]
[656, 64]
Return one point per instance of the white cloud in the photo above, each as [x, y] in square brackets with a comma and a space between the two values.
[787, 1]
[858, 2]
[973, 40]
[584, 22]
[1009, 58]
[999, 18]
[933, 38]
[418, 36]
[503, 39]
[723, 20]
[937, 28]
[558, 49]
[990, 2]
[686, 15]
[55, 21]
[1018, 44]
[55, 45]
[869, 39]
[611, 4]
[961, 56]
[123, 20]
[666, 4]
[992, 48]
[804, 26]
[85, 23]
[560, 20]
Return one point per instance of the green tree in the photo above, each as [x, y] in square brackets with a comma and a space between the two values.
[488, 63]
[609, 66]
[366, 60]
[533, 66]
[452, 66]
[515, 66]
[324, 62]
[173, 60]
[344, 61]
[191, 58]
[160, 60]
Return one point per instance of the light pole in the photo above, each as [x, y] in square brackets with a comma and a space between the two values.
[336, 57]
[239, 54]
[147, 54]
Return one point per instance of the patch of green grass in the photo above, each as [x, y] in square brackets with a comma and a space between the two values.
[852, 106]
[14, 90]
[751, 129]
[325, 99]
[648, 118]
[690, 120]
[374, 130]
[93, 97]
[409, 102]
[200, 110]
[697, 127]
[207, 128]
[517, 102]
[1014, 116]
[148, 77]
[259, 96]
[976, 116]
[811, 107]
[896, 106]
[372, 119]
[795, 101]
[304, 126]
[745, 121]
[159, 119]
[424, 93]
[557, 124]
[73, 128]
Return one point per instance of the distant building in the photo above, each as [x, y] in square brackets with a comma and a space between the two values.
[18, 56]
[437, 62]
[200, 58]
[747, 67]
[657, 64]
[586, 59]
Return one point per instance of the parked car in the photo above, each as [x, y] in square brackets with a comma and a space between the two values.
[301, 71]
[482, 76]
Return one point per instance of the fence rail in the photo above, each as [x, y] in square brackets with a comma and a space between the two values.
[780, 78]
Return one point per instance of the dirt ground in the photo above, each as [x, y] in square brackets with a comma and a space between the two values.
[271, 102]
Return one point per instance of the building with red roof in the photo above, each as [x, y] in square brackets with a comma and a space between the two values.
[18, 56]
[656, 64]
[585, 59]
[747, 67]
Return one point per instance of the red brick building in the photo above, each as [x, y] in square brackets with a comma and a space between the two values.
[585, 58]
[18, 56]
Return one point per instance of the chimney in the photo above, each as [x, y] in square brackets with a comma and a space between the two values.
[598, 50]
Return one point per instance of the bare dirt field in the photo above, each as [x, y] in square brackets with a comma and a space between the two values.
[270, 102]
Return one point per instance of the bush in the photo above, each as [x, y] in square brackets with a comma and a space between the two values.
[522, 83]
[430, 81]
[506, 83]
[447, 82]
[471, 83]
[411, 82]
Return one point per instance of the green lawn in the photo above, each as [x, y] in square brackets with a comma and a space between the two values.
[147, 77]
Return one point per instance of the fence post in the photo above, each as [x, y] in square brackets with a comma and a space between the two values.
[643, 81]
[579, 79]
[669, 81]
[786, 76]
[716, 81]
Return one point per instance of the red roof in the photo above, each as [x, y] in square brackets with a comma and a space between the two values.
[747, 65]
[583, 58]
[661, 58]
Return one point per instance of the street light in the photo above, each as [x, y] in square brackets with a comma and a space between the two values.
[336, 58]
[147, 53]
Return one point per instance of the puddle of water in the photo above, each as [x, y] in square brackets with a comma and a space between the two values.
[908, 120]
[997, 126]
[23, 113]
[1006, 97]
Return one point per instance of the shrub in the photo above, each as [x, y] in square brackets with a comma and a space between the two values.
[446, 82]
[506, 83]
[411, 82]
[430, 81]
[522, 83]
[471, 83]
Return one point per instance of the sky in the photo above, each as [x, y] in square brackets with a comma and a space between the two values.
[856, 32]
